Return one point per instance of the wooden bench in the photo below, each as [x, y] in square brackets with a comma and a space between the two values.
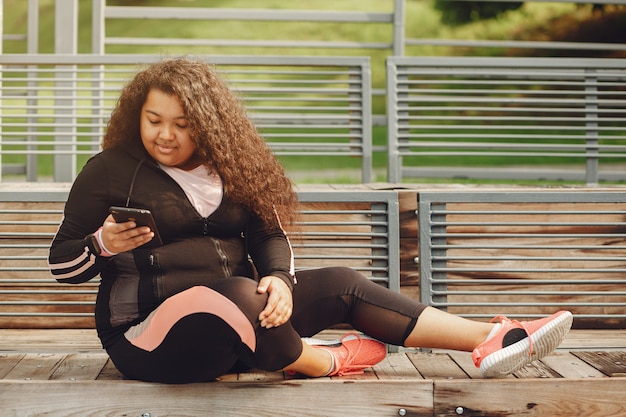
[474, 111]
[51, 362]
[355, 229]
[56, 106]
[525, 254]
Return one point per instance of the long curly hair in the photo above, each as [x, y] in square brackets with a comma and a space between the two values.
[226, 139]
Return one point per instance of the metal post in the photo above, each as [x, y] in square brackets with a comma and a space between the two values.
[32, 47]
[366, 95]
[399, 19]
[1, 42]
[97, 27]
[65, 42]
[591, 128]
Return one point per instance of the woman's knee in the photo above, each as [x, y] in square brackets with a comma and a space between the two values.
[345, 277]
[243, 293]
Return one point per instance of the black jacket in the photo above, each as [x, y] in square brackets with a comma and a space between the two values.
[196, 250]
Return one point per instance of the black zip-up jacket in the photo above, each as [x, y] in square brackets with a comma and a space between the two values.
[196, 250]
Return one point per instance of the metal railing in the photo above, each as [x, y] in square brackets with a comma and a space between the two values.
[57, 106]
[274, 17]
[533, 111]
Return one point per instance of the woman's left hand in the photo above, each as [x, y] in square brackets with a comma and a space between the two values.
[279, 302]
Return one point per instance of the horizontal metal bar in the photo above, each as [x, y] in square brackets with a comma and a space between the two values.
[43, 282]
[244, 43]
[344, 235]
[142, 59]
[498, 211]
[535, 196]
[272, 15]
[530, 223]
[611, 270]
[594, 46]
[527, 235]
[516, 282]
[48, 303]
[41, 290]
[43, 314]
[526, 247]
[538, 316]
[528, 304]
[534, 293]
[529, 258]
[344, 257]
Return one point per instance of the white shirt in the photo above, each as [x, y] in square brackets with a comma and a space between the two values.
[204, 190]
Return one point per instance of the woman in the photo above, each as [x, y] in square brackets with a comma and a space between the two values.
[179, 143]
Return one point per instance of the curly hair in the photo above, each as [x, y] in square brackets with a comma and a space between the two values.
[226, 139]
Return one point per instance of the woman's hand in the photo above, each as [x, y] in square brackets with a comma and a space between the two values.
[279, 302]
[122, 237]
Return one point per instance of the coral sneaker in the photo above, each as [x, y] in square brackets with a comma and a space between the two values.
[516, 344]
[354, 353]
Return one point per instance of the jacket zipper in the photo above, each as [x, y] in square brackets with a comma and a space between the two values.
[223, 256]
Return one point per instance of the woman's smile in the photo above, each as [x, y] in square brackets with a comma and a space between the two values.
[164, 131]
[164, 147]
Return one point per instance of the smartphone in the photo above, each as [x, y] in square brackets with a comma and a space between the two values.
[142, 217]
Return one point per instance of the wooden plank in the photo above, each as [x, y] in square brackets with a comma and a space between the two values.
[110, 373]
[436, 366]
[35, 366]
[530, 397]
[409, 268]
[290, 398]
[465, 362]
[49, 340]
[609, 363]
[8, 362]
[258, 375]
[396, 366]
[536, 369]
[81, 366]
[595, 339]
[569, 366]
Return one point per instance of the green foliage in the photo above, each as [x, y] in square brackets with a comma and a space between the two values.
[461, 12]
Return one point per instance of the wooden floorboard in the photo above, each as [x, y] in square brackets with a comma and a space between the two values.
[66, 373]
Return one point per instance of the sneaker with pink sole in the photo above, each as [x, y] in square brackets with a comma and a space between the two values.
[353, 354]
[514, 344]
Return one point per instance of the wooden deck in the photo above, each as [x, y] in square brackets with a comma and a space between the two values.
[66, 373]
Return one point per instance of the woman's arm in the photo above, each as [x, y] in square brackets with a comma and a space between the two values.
[273, 258]
[75, 255]
[271, 251]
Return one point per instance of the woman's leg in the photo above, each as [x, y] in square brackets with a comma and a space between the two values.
[312, 362]
[330, 296]
[200, 333]
[438, 329]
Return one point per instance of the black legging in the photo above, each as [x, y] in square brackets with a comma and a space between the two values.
[202, 346]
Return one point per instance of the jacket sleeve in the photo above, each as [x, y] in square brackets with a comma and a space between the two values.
[72, 258]
[271, 251]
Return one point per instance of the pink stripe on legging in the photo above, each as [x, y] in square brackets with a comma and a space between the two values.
[194, 300]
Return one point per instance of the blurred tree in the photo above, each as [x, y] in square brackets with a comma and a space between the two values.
[460, 12]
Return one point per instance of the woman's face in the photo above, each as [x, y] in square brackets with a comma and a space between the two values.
[165, 131]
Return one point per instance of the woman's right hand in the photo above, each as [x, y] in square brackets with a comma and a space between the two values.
[123, 237]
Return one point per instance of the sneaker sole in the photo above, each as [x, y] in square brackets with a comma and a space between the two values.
[313, 341]
[512, 358]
